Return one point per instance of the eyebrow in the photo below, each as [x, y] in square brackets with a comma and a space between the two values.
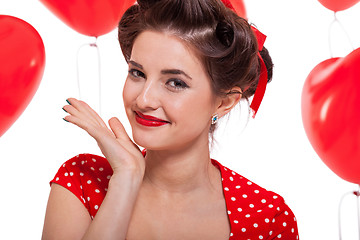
[175, 71]
[165, 71]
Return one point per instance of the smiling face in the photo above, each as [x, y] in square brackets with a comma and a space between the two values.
[167, 94]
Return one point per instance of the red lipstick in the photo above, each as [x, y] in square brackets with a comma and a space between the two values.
[149, 121]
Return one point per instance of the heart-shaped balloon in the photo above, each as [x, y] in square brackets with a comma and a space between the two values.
[331, 114]
[22, 61]
[89, 17]
[338, 5]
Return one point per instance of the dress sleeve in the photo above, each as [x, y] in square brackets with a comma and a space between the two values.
[68, 176]
[284, 224]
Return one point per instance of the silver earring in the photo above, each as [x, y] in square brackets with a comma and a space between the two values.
[214, 119]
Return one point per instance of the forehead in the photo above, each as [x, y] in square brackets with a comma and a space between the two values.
[166, 50]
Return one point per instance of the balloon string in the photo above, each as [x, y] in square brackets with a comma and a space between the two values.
[344, 31]
[357, 194]
[99, 69]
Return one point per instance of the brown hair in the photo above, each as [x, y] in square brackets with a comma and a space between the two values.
[224, 41]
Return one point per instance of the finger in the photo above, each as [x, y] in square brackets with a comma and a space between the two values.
[118, 129]
[81, 109]
[93, 113]
[91, 130]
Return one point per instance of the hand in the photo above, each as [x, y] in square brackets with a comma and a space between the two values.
[120, 151]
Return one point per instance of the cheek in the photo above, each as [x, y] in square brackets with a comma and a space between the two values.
[129, 93]
[194, 110]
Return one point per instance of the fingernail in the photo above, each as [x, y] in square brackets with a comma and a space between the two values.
[65, 120]
[64, 109]
[68, 102]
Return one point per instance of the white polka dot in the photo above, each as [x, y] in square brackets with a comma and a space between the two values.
[286, 213]
[80, 186]
[66, 174]
[233, 199]
[71, 174]
[244, 196]
[225, 168]
[249, 183]
[259, 210]
[292, 230]
[81, 174]
[231, 179]
[284, 224]
[243, 229]
[94, 160]
[263, 201]
[106, 189]
[74, 163]
[101, 169]
[251, 205]
[261, 237]
[57, 179]
[64, 165]
[271, 232]
[275, 197]
[229, 212]
[278, 208]
[89, 181]
[239, 209]
[237, 187]
[96, 207]
[255, 225]
[247, 215]
[279, 236]
[99, 179]
[236, 221]
[273, 220]
[233, 173]
[88, 198]
[231, 234]
[108, 177]
[256, 191]
[92, 168]
[97, 190]
[226, 189]
[82, 162]
[267, 220]
[69, 184]
[271, 206]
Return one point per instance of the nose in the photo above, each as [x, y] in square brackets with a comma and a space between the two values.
[148, 98]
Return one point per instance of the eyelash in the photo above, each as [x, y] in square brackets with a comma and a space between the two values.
[177, 84]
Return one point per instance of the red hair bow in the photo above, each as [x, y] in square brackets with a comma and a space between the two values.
[261, 87]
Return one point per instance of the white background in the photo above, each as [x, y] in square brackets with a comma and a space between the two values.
[271, 150]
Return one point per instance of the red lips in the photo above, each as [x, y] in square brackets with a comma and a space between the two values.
[149, 121]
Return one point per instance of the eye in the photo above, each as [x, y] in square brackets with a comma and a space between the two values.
[136, 73]
[176, 84]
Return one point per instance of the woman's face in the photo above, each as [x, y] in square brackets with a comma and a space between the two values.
[167, 94]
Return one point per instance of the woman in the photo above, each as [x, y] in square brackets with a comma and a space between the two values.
[190, 62]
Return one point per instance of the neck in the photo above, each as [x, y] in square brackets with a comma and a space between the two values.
[182, 170]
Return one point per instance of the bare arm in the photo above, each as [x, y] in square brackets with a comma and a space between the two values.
[66, 217]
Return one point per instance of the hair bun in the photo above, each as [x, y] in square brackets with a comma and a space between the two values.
[225, 33]
[146, 4]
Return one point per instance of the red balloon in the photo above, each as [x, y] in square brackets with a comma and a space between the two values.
[89, 17]
[22, 61]
[331, 114]
[338, 5]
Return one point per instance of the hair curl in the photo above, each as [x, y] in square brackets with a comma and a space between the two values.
[224, 42]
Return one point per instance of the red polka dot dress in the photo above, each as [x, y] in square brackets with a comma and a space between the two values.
[253, 212]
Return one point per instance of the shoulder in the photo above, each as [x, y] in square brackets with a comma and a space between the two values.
[253, 209]
[87, 177]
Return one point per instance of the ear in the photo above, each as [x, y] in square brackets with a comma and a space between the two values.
[228, 101]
